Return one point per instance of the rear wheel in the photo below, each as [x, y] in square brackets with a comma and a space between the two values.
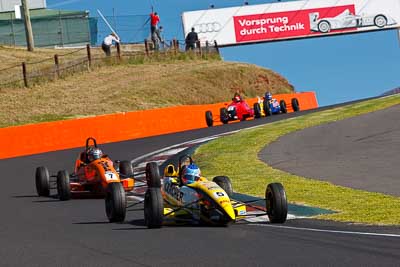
[257, 110]
[209, 119]
[267, 108]
[153, 175]
[223, 115]
[225, 183]
[115, 202]
[282, 104]
[276, 203]
[63, 186]
[153, 208]
[295, 104]
[126, 169]
[42, 180]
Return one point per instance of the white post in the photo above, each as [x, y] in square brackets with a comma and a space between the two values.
[108, 24]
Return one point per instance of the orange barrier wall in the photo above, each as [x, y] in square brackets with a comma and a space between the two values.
[51, 136]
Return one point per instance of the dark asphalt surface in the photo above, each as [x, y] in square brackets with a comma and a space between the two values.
[361, 152]
[46, 232]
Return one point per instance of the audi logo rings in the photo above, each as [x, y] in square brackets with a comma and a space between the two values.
[208, 27]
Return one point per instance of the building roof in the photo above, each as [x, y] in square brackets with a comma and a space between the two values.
[45, 13]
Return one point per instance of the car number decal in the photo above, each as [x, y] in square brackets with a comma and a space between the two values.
[219, 194]
[110, 176]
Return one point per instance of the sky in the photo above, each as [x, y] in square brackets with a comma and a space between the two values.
[339, 69]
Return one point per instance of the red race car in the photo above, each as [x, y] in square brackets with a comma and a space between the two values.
[237, 110]
[95, 173]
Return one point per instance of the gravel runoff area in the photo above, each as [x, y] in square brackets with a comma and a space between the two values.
[360, 152]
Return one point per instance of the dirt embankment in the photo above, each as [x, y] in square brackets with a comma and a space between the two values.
[129, 87]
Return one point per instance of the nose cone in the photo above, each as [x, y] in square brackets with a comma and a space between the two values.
[230, 211]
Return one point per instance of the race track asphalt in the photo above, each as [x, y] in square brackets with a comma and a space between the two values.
[46, 232]
[361, 152]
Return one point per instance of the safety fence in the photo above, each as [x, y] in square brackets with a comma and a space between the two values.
[51, 136]
[26, 74]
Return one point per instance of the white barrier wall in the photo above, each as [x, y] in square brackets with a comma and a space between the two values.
[290, 20]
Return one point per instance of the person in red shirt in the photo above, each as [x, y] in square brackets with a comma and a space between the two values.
[154, 19]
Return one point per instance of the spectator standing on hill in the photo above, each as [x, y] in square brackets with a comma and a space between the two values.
[107, 43]
[154, 20]
[191, 40]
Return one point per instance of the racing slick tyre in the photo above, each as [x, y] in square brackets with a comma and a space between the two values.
[324, 26]
[42, 179]
[295, 104]
[63, 186]
[224, 115]
[225, 183]
[153, 208]
[282, 104]
[126, 169]
[257, 110]
[380, 21]
[276, 203]
[115, 202]
[209, 119]
[153, 175]
[267, 108]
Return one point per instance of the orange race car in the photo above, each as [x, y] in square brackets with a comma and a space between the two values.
[94, 173]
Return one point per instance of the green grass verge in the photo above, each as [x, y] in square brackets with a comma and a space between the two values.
[237, 157]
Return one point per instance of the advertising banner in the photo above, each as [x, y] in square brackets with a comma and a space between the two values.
[291, 20]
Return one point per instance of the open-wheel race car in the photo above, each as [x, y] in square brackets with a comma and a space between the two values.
[271, 106]
[238, 109]
[95, 174]
[184, 196]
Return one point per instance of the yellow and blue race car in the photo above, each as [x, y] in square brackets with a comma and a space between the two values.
[184, 196]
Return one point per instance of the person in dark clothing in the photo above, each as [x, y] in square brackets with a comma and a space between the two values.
[191, 40]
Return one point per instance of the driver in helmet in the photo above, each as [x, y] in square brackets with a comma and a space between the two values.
[191, 174]
[94, 153]
[268, 96]
[237, 98]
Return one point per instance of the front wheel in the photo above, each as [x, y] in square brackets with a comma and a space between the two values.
[225, 183]
[153, 208]
[209, 119]
[63, 186]
[115, 202]
[224, 115]
[257, 110]
[276, 203]
[42, 180]
[267, 108]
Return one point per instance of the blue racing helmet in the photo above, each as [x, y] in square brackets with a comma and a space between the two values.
[268, 96]
[191, 174]
[94, 153]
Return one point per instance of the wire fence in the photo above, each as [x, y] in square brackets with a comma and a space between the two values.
[87, 58]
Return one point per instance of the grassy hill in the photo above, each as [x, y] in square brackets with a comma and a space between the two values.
[129, 87]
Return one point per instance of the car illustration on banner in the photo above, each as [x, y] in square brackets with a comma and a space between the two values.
[348, 20]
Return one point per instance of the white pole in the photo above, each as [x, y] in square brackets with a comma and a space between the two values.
[108, 24]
